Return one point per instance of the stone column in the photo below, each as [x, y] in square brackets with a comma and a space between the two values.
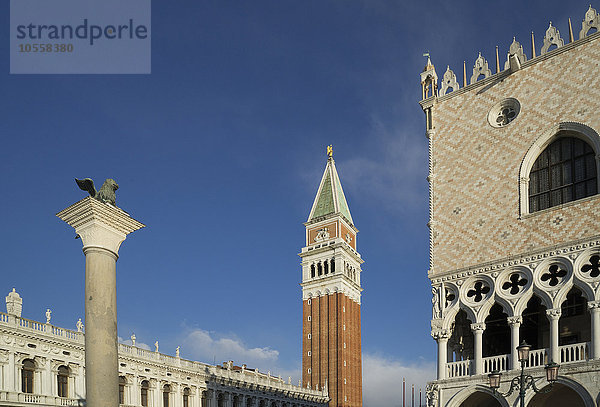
[478, 329]
[441, 336]
[102, 228]
[594, 307]
[11, 379]
[515, 323]
[553, 316]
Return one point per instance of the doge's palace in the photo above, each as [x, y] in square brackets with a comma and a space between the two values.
[515, 219]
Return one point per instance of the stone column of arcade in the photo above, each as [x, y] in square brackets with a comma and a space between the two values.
[102, 228]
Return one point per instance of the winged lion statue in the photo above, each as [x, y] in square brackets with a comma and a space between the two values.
[106, 193]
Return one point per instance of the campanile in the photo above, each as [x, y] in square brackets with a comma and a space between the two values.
[331, 291]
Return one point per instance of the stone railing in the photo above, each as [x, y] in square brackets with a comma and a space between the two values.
[28, 398]
[459, 369]
[248, 376]
[574, 353]
[537, 357]
[499, 362]
[38, 327]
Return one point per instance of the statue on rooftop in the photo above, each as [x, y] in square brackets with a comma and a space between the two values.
[106, 193]
[48, 315]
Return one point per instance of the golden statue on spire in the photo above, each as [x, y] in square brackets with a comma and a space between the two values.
[330, 151]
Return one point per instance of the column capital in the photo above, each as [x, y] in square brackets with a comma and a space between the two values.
[515, 320]
[593, 305]
[99, 225]
[440, 334]
[478, 327]
[553, 313]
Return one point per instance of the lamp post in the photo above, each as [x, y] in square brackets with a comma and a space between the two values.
[524, 382]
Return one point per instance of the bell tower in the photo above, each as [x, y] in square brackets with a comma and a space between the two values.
[331, 291]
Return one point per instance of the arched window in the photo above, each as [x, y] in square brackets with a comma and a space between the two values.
[122, 383]
[326, 264]
[63, 381]
[186, 397]
[319, 269]
[332, 262]
[27, 376]
[565, 171]
[312, 270]
[166, 391]
[144, 394]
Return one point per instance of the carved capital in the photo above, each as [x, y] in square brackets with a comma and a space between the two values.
[478, 327]
[516, 320]
[98, 224]
[593, 305]
[553, 313]
[440, 334]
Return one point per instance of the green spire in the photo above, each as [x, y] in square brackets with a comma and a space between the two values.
[330, 197]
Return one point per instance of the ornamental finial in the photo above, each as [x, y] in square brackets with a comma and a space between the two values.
[330, 151]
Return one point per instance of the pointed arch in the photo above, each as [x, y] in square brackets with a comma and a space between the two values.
[574, 129]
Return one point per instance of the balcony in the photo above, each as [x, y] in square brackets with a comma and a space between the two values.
[577, 352]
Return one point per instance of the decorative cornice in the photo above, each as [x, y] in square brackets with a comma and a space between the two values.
[88, 209]
[519, 259]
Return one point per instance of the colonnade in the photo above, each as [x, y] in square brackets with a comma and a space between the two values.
[442, 335]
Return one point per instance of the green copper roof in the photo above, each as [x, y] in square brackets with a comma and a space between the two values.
[330, 197]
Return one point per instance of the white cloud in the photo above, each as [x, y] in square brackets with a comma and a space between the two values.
[382, 380]
[141, 345]
[395, 176]
[208, 346]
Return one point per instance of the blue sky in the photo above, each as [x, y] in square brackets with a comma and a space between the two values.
[220, 151]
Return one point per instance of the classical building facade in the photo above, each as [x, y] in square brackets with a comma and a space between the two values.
[42, 364]
[331, 291]
[515, 219]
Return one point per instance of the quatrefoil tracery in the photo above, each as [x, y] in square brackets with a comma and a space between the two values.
[593, 267]
[554, 275]
[516, 281]
[478, 291]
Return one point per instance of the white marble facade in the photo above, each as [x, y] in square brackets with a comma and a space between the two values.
[39, 361]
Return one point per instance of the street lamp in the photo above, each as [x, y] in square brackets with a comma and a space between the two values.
[524, 382]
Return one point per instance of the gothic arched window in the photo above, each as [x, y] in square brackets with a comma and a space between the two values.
[27, 376]
[144, 393]
[565, 171]
[63, 381]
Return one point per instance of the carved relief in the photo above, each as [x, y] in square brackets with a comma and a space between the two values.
[322, 234]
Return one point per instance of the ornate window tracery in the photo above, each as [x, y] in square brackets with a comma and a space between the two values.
[479, 290]
[514, 284]
[554, 275]
[593, 267]
[565, 171]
